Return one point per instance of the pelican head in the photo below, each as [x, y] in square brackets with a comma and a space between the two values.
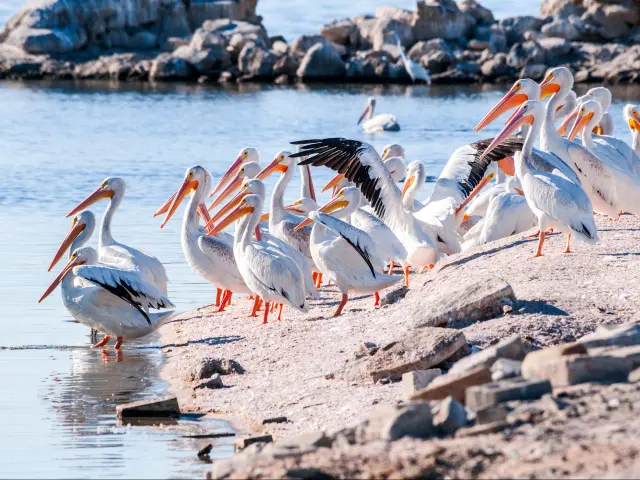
[246, 206]
[567, 106]
[602, 95]
[110, 188]
[305, 206]
[247, 170]
[193, 178]
[589, 113]
[415, 173]
[81, 229]
[521, 91]
[247, 154]
[281, 162]
[345, 202]
[630, 113]
[250, 186]
[368, 109]
[393, 150]
[525, 114]
[558, 80]
[81, 256]
[396, 168]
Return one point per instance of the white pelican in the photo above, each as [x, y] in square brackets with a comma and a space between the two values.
[414, 180]
[210, 257]
[632, 119]
[383, 122]
[247, 154]
[416, 71]
[109, 299]
[115, 253]
[246, 170]
[557, 202]
[393, 150]
[255, 186]
[334, 242]
[361, 164]
[603, 96]
[269, 274]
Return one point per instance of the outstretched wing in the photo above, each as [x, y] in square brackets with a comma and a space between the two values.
[127, 285]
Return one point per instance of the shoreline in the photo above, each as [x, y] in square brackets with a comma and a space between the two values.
[313, 369]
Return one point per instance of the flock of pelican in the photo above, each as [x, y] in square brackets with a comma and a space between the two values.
[281, 254]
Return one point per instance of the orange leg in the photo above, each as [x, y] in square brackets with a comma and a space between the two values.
[118, 344]
[568, 249]
[218, 295]
[229, 299]
[319, 280]
[343, 302]
[102, 342]
[540, 242]
[314, 275]
[265, 319]
[225, 298]
[256, 307]
[280, 311]
[406, 276]
[377, 297]
[391, 266]
[537, 234]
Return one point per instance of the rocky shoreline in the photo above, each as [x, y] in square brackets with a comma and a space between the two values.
[492, 365]
[211, 41]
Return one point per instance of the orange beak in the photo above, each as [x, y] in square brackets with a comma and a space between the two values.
[233, 170]
[547, 87]
[465, 217]
[165, 206]
[518, 118]
[507, 166]
[274, 166]
[333, 182]
[579, 124]
[235, 200]
[187, 186]
[364, 113]
[76, 230]
[293, 207]
[634, 125]
[94, 197]
[331, 206]
[232, 187]
[239, 212]
[264, 217]
[519, 191]
[312, 191]
[598, 130]
[73, 262]
[565, 123]
[407, 184]
[511, 100]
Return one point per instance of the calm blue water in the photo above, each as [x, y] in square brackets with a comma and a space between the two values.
[59, 141]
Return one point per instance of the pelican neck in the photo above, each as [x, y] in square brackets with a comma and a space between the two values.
[106, 239]
[277, 213]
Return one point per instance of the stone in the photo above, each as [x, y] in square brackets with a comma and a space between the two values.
[615, 21]
[555, 48]
[391, 422]
[343, 32]
[505, 368]
[454, 385]
[396, 13]
[143, 40]
[440, 19]
[513, 348]
[526, 53]
[312, 439]
[382, 27]
[450, 415]
[167, 67]
[214, 382]
[535, 72]
[493, 68]
[480, 14]
[205, 451]
[483, 396]
[240, 444]
[437, 45]
[562, 29]
[479, 45]
[418, 351]
[482, 429]
[203, 39]
[414, 381]
[561, 8]
[436, 62]
[634, 376]
[631, 354]
[283, 419]
[209, 366]
[174, 42]
[280, 47]
[321, 61]
[492, 414]
[621, 336]
[302, 44]
[256, 62]
[45, 40]
[473, 299]
[228, 28]
[392, 296]
[517, 26]
[156, 407]
[205, 61]
[573, 369]
[173, 21]
[365, 25]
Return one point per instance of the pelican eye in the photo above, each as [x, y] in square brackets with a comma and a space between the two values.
[281, 158]
[104, 184]
[245, 154]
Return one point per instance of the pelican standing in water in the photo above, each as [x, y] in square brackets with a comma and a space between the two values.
[113, 252]
[556, 201]
[345, 254]
[416, 71]
[383, 122]
[109, 299]
[269, 274]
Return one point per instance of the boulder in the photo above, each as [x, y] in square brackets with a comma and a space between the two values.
[257, 62]
[419, 379]
[241, 443]
[46, 40]
[168, 67]
[554, 49]
[173, 20]
[480, 14]
[391, 422]
[205, 61]
[420, 350]
[498, 39]
[527, 53]
[561, 8]
[615, 21]
[513, 348]
[619, 336]
[449, 415]
[321, 61]
[483, 396]
[157, 407]
[454, 385]
[440, 19]
[436, 45]
[342, 32]
[436, 62]
[515, 27]
[214, 382]
[384, 26]
[209, 366]
[395, 13]
[505, 368]
[202, 39]
[366, 25]
[562, 29]
[228, 28]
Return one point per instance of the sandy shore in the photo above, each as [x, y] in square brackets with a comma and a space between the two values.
[560, 298]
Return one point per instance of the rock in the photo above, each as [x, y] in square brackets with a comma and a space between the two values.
[481, 429]
[449, 416]
[623, 67]
[256, 62]
[45, 40]
[483, 396]
[282, 80]
[203, 39]
[384, 26]
[634, 376]
[157, 407]
[241, 443]
[168, 67]
[392, 296]
[365, 24]
[173, 21]
[561, 8]
[571, 369]
[492, 414]
[304, 441]
[527, 53]
[513, 348]
[480, 14]
[391, 422]
[367, 349]
[615, 21]
[228, 28]
[435, 46]
[517, 26]
[280, 47]
[301, 45]
[554, 48]
[496, 67]
[414, 381]
[454, 385]
[321, 61]
[204, 452]
[418, 351]
[342, 32]
[479, 45]
[440, 19]
[436, 62]
[619, 336]
[395, 13]
[206, 61]
[473, 299]
[174, 42]
[535, 72]
[505, 368]
[214, 382]
[266, 421]
[562, 29]
[631, 354]
[209, 366]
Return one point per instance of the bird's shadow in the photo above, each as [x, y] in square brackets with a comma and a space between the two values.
[209, 341]
[470, 258]
[539, 306]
